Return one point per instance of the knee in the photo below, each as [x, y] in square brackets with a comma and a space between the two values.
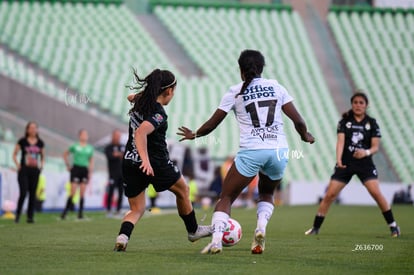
[330, 197]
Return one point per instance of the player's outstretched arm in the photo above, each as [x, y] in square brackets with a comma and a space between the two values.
[205, 129]
[290, 110]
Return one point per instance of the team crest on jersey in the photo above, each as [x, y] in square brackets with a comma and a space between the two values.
[348, 124]
[158, 118]
[368, 126]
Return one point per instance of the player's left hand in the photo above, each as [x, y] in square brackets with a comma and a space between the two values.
[147, 168]
[359, 153]
[186, 133]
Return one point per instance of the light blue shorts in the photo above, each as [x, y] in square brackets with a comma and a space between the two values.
[271, 162]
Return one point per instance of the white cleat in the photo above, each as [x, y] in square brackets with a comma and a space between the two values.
[258, 244]
[312, 231]
[121, 243]
[202, 232]
[212, 248]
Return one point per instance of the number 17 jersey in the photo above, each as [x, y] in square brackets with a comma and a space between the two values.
[258, 110]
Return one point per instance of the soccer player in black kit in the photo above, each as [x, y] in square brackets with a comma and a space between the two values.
[146, 159]
[358, 138]
[114, 153]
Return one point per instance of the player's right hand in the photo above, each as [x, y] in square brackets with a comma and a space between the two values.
[340, 165]
[186, 133]
[308, 138]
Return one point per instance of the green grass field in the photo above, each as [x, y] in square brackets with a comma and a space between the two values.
[159, 245]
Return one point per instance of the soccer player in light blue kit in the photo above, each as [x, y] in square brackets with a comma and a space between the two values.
[258, 104]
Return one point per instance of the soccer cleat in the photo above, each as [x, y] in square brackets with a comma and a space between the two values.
[121, 243]
[258, 244]
[312, 231]
[201, 232]
[212, 248]
[395, 231]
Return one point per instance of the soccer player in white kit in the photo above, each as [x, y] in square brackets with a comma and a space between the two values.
[258, 104]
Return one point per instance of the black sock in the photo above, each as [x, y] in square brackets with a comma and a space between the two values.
[68, 205]
[126, 228]
[81, 202]
[190, 222]
[388, 216]
[317, 222]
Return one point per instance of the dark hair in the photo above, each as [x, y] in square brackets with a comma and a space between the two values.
[358, 93]
[81, 130]
[26, 134]
[251, 65]
[153, 85]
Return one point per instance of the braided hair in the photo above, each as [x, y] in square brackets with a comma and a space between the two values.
[153, 85]
[251, 65]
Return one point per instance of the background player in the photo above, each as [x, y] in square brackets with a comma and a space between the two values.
[28, 169]
[258, 104]
[114, 153]
[358, 138]
[80, 172]
[147, 160]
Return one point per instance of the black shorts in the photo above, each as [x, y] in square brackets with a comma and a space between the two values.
[135, 181]
[79, 174]
[365, 170]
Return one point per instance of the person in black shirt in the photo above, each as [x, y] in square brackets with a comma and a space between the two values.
[31, 162]
[358, 138]
[114, 153]
[146, 159]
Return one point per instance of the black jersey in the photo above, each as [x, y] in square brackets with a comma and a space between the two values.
[156, 141]
[114, 163]
[30, 156]
[357, 135]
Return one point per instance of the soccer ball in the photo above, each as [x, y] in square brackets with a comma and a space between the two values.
[232, 234]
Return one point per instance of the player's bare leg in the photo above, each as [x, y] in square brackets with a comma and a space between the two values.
[331, 194]
[230, 192]
[186, 212]
[265, 208]
[137, 209]
[375, 192]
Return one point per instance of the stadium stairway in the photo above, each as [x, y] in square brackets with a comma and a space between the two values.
[174, 51]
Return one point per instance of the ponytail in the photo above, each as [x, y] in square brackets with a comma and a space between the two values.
[248, 78]
[251, 65]
[153, 85]
[347, 114]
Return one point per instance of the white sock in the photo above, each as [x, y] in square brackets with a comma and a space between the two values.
[393, 224]
[219, 222]
[264, 212]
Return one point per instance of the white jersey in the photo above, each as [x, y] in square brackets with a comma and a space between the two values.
[259, 113]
